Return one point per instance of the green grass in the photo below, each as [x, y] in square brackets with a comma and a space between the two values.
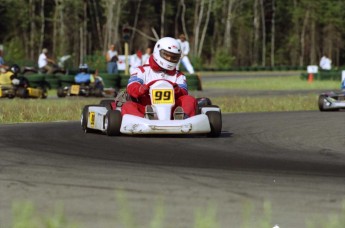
[236, 104]
[38, 110]
[271, 83]
[69, 109]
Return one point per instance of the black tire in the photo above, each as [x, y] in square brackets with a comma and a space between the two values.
[61, 92]
[112, 122]
[44, 93]
[98, 92]
[202, 101]
[215, 119]
[84, 118]
[107, 103]
[320, 102]
[22, 92]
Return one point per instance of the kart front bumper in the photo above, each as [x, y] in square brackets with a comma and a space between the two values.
[136, 125]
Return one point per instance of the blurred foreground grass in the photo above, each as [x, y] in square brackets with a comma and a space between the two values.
[25, 215]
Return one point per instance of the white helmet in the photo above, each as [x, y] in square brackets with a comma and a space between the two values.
[167, 53]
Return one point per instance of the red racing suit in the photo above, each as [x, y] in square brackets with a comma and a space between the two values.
[147, 73]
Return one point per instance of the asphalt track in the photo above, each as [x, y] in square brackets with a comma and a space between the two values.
[293, 160]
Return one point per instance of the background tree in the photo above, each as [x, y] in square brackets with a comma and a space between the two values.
[222, 33]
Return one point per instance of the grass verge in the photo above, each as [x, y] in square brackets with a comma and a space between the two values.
[271, 83]
[37, 110]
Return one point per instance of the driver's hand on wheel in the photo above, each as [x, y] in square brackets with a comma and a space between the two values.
[143, 89]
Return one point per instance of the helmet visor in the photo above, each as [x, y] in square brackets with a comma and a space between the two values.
[171, 57]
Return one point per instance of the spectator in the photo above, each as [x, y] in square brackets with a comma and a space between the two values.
[146, 56]
[325, 63]
[135, 61]
[112, 58]
[184, 57]
[44, 62]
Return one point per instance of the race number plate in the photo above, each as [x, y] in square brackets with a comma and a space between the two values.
[163, 96]
[75, 89]
[92, 119]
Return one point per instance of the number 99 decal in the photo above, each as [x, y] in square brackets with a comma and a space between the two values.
[162, 96]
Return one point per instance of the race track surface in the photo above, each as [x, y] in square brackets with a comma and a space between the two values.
[293, 161]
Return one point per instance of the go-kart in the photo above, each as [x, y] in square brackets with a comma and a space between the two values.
[331, 101]
[28, 92]
[22, 89]
[106, 117]
[81, 89]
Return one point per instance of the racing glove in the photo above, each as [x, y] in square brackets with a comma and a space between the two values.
[143, 89]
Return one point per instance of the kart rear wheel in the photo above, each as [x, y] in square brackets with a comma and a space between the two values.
[22, 92]
[98, 92]
[44, 94]
[215, 119]
[112, 122]
[107, 103]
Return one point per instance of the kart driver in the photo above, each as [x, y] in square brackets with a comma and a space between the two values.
[161, 65]
[84, 77]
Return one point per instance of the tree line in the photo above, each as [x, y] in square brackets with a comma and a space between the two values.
[222, 33]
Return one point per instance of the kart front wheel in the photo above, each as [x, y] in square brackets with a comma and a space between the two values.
[84, 118]
[61, 92]
[215, 119]
[112, 122]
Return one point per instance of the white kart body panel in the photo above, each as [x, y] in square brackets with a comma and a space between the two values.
[136, 125]
[98, 114]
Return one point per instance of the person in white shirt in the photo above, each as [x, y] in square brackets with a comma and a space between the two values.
[184, 57]
[111, 58]
[325, 63]
[135, 61]
[43, 62]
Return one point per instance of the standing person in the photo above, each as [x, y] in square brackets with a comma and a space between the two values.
[135, 61]
[162, 65]
[44, 62]
[146, 56]
[112, 58]
[184, 57]
[325, 63]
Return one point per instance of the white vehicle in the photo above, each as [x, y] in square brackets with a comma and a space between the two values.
[107, 117]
